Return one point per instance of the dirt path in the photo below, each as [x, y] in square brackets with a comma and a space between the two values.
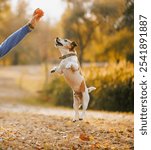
[35, 128]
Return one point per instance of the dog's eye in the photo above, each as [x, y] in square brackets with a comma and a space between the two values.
[65, 40]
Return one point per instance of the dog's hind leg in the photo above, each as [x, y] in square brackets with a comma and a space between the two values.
[76, 108]
[85, 103]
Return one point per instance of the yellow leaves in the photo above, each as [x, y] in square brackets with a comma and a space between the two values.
[106, 144]
[52, 132]
[46, 146]
[91, 138]
[95, 146]
[68, 123]
[111, 130]
[114, 148]
[92, 143]
[129, 130]
[2, 129]
[86, 137]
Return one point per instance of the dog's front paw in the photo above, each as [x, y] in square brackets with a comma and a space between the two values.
[53, 70]
[74, 120]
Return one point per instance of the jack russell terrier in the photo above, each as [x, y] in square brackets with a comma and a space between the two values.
[69, 67]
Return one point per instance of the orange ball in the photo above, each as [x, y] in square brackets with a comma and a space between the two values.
[39, 12]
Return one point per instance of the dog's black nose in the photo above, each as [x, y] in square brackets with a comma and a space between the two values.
[57, 38]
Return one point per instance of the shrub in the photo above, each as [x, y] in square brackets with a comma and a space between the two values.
[115, 87]
[59, 92]
[114, 83]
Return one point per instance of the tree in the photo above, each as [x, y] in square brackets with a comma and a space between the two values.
[19, 20]
[4, 8]
[35, 48]
[127, 18]
[5, 15]
[82, 18]
[116, 44]
[78, 26]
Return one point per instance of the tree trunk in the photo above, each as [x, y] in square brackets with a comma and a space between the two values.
[81, 56]
[46, 72]
[16, 59]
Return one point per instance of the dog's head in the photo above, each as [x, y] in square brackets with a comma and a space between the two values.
[65, 46]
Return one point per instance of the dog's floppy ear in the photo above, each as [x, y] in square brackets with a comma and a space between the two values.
[73, 45]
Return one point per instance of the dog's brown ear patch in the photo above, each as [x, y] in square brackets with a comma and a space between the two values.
[82, 86]
[73, 45]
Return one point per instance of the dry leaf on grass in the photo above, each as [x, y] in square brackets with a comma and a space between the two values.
[95, 146]
[43, 132]
[84, 137]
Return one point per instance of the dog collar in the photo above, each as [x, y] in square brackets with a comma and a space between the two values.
[68, 55]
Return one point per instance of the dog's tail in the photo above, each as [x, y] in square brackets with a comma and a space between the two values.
[90, 89]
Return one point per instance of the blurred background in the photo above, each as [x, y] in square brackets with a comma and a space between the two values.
[104, 31]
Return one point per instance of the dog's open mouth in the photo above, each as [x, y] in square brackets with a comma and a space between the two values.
[58, 43]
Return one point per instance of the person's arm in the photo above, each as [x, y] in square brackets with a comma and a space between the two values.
[17, 36]
[13, 40]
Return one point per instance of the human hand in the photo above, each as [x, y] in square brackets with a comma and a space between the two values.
[38, 13]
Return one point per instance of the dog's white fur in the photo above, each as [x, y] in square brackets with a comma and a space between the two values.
[70, 68]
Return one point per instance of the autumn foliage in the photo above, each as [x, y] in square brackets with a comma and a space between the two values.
[104, 32]
[114, 87]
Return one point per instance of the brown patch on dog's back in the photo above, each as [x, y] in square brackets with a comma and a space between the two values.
[82, 87]
[78, 95]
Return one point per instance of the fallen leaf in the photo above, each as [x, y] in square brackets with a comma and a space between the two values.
[84, 137]
[68, 123]
[91, 138]
[96, 145]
